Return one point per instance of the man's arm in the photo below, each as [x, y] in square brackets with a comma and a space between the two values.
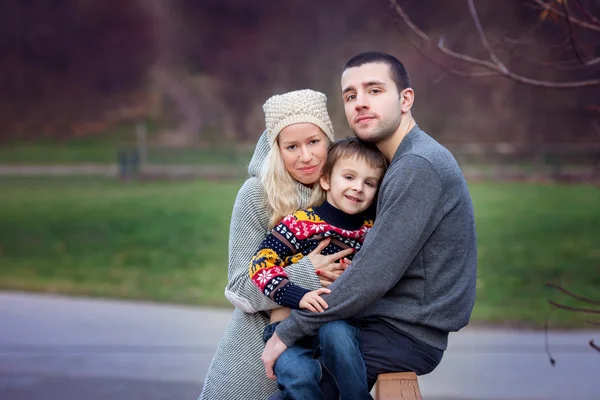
[410, 199]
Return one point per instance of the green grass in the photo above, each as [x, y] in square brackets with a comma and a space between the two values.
[157, 241]
[104, 149]
[167, 241]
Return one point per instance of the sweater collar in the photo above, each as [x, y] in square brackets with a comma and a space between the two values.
[407, 142]
[338, 218]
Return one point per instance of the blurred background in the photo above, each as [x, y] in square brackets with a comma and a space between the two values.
[167, 96]
[127, 128]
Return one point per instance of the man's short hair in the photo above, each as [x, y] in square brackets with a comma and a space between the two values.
[397, 71]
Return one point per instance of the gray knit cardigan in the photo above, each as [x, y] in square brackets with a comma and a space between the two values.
[236, 372]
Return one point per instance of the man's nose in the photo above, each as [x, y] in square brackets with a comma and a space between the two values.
[361, 101]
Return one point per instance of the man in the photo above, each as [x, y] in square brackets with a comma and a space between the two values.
[413, 282]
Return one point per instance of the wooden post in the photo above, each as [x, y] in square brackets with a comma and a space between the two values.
[397, 386]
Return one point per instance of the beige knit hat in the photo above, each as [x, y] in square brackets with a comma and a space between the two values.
[296, 107]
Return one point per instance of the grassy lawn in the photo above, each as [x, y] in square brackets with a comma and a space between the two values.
[167, 241]
[104, 149]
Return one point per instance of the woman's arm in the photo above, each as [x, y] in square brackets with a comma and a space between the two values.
[248, 228]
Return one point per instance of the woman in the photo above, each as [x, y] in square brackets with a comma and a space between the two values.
[286, 164]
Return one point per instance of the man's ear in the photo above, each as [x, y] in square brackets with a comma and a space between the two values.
[324, 182]
[408, 98]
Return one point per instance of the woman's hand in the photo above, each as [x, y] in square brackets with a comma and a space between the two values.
[326, 266]
[327, 276]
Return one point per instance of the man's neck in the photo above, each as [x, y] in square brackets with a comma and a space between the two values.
[389, 145]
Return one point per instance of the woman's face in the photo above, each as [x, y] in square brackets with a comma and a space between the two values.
[304, 151]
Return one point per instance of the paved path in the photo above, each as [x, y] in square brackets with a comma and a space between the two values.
[64, 348]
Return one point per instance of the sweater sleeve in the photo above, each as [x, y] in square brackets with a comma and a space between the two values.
[273, 255]
[410, 200]
[248, 228]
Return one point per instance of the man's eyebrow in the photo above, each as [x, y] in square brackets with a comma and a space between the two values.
[365, 84]
[373, 83]
[348, 89]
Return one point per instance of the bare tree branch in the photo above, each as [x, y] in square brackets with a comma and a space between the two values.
[576, 21]
[495, 64]
[573, 295]
[427, 39]
[588, 14]
[594, 346]
[576, 309]
[484, 39]
[572, 34]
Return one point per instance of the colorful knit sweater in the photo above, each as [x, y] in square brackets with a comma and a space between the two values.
[296, 236]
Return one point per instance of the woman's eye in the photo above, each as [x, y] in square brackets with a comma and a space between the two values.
[349, 177]
[292, 147]
[314, 141]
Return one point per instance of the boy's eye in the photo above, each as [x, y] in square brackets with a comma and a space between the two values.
[349, 177]
[370, 184]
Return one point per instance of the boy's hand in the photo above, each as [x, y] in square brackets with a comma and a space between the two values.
[313, 301]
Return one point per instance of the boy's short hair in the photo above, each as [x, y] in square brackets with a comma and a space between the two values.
[353, 147]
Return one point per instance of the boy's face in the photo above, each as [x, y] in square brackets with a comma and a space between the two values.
[352, 185]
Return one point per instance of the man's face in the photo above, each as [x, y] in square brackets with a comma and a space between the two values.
[372, 103]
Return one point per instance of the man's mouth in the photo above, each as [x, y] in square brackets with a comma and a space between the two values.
[364, 118]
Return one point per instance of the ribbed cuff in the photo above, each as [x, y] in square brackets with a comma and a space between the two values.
[289, 295]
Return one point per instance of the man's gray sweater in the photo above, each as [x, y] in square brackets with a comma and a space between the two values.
[417, 267]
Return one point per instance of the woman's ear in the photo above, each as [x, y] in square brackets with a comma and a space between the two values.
[324, 182]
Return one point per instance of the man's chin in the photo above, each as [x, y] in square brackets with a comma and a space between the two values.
[366, 136]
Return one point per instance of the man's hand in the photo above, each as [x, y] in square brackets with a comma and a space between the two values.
[271, 353]
[313, 301]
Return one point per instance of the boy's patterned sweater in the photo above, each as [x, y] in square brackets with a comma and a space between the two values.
[296, 236]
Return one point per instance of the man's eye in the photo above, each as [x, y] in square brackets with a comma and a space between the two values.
[350, 97]
[375, 91]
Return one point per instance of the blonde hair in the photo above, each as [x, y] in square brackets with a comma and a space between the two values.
[282, 189]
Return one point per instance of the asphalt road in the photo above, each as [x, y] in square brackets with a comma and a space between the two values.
[71, 348]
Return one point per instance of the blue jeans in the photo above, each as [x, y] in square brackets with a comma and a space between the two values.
[334, 353]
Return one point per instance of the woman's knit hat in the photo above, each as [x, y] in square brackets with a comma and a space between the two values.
[297, 107]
